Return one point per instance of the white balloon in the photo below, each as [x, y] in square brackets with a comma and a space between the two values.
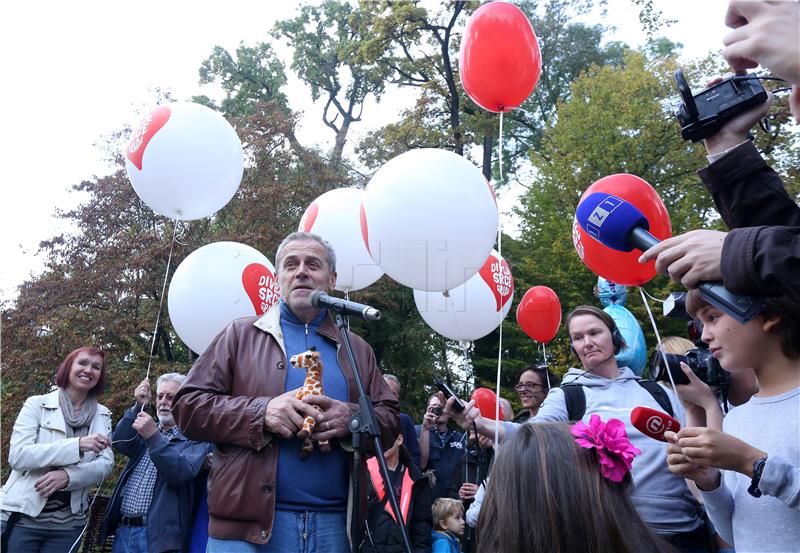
[475, 308]
[185, 161]
[335, 217]
[216, 284]
[430, 219]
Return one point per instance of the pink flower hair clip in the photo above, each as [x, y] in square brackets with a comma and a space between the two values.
[610, 440]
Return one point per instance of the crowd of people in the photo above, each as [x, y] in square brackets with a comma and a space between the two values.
[222, 467]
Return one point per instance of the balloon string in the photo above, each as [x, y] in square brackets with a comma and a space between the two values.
[658, 339]
[500, 313]
[161, 303]
[500, 153]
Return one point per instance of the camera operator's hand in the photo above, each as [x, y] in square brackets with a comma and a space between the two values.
[689, 258]
[429, 420]
[470, 414]
[765, 34]
[735, 131]
[706, 478]
[697, 392]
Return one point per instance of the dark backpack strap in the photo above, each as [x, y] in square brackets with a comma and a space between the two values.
[659, 394]
[575, 399]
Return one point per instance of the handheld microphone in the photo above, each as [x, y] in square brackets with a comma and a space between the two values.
[653, 423]
[621, 226]
[345, 307]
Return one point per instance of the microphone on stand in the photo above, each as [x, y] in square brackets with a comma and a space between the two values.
[620, 226]
[653, 423]
[320, 299]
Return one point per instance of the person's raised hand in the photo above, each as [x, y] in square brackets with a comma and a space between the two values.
[707, 447]
[467, 491]
[735, 131]
[696, 392]
[145, 425]
[689, 258]
[93, 442]
[333, 421]
[463, 418]
[285, 414]
[707, 478]
[51, 482]
[142, 393]
[765, 33]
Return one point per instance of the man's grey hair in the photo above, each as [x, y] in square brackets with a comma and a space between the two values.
[170, 377]
[331, 255]
[393, 378]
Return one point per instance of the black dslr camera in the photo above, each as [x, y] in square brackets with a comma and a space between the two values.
[703, 114]
[701, 361]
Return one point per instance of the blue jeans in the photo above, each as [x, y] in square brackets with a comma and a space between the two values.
[294, 532]
[130, 539]
[43, 540]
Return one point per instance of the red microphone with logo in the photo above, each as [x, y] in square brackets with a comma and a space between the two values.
[653, 423]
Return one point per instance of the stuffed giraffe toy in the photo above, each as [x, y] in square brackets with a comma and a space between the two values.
[312, 386]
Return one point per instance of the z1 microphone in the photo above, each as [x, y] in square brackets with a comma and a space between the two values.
[320, 299]
[621, 226]
[653, 423]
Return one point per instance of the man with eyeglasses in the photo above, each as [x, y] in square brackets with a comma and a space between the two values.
[440, 447]
[533, 386]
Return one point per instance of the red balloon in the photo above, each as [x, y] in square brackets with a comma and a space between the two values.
[539, 313]
[623, 267]
[485, 400]
[499, 60]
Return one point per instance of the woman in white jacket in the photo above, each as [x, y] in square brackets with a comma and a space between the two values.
[60, 448]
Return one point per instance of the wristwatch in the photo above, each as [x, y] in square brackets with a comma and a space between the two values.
[758, 468]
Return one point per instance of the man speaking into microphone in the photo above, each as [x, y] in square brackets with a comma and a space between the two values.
[240, 395]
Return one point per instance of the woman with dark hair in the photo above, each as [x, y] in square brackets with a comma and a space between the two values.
[532, 387]
[600, 386]
[59, 449]
[567, 490]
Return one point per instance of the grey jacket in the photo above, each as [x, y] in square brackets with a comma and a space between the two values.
[661, 498]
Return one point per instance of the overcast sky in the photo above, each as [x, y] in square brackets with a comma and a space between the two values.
[75, 71]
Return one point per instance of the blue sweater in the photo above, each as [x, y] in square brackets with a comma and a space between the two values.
[318, 482]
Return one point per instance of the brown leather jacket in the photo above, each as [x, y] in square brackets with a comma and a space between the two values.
[224, 400]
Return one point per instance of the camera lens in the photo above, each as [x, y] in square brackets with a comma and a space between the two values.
[437, 411]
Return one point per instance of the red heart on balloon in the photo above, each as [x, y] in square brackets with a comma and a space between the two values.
[497, 275]
[261, 287]
[141, 136]
[364, 229]
[308, 218]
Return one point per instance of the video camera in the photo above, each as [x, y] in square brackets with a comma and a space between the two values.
[703, 114]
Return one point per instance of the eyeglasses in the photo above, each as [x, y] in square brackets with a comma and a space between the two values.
[528, 386]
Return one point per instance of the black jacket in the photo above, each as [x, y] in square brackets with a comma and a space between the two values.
[382, 534]
[180, 464]
[761, 256]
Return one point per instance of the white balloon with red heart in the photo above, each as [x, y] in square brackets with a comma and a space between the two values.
[216, 284]
[335, 217]
[429, 219]
[475, 308]
[185, 161]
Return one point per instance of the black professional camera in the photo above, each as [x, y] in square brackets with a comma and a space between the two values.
[703, 114]
[701, 361]
[438, 411]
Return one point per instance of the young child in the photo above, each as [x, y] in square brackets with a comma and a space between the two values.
[754, 501]
[561, 488]
[448, 525]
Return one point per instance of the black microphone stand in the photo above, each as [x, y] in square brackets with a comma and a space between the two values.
[364, 425]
